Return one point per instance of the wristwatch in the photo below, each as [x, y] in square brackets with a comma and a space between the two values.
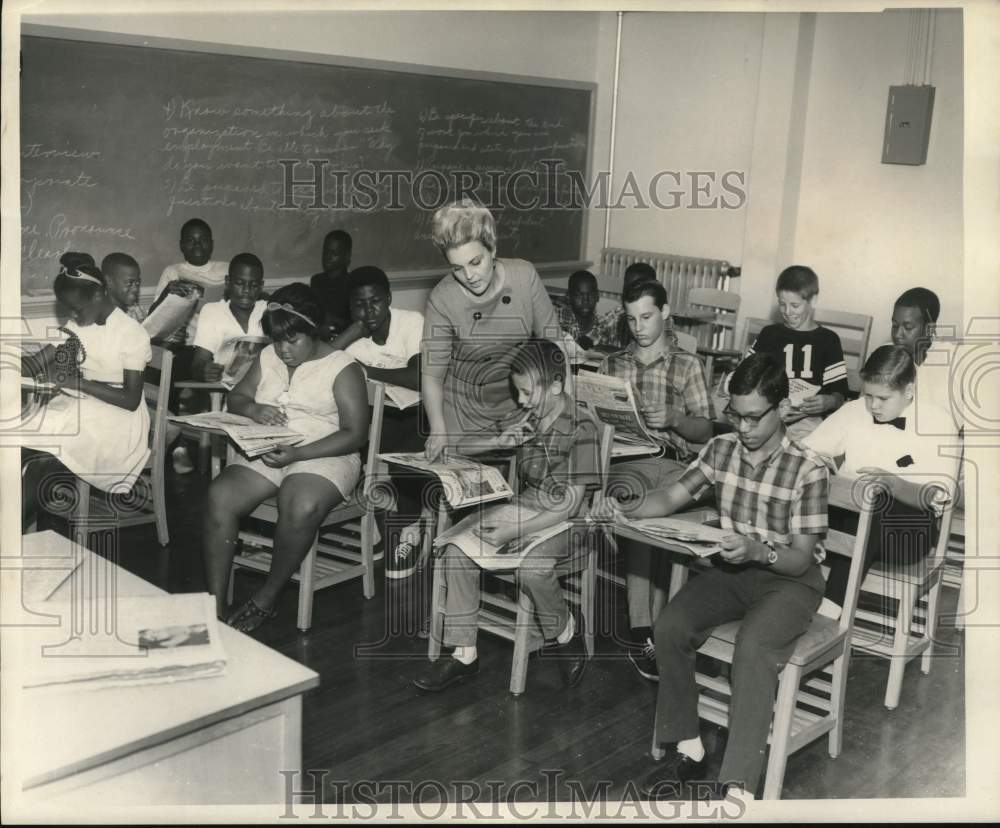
[772, 553]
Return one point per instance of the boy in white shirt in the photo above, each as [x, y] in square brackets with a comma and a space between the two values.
[386, 341]
[240, 315]
[910, 449]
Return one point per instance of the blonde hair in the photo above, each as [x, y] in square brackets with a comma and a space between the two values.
[462, 222]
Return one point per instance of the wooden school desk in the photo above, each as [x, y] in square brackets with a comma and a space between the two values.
[218, 740]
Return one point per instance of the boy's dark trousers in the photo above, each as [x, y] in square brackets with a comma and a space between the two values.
[775, 610]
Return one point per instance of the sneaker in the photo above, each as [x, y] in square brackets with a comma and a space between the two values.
[181, 460]
[644, 660]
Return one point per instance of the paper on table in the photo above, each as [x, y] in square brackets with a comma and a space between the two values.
[156, 638]
[402, 397]
[466, 482]
[697, 538]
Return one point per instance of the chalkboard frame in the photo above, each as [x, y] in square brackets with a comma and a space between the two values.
[40, 302]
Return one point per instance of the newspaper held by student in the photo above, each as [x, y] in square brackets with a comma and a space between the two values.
[698, 538]
[236, 355]
[251, 438]
[172, 313]
[465, 481]
[466, 536]
[612, 400]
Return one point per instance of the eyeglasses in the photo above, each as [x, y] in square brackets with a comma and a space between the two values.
[278, 306]
[752, 420]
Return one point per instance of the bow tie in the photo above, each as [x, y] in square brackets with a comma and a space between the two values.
[899, 422]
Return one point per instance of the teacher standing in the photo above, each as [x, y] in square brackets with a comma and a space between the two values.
[475, 319]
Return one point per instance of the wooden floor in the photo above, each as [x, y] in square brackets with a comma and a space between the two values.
[365, 721]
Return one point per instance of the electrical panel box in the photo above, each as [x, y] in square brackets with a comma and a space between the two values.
[908, 124]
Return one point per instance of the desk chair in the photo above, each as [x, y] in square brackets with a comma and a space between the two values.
[515, 620]
[343, 549]
[715, 335]
[902, 623]
[954, 572]
[812, 686]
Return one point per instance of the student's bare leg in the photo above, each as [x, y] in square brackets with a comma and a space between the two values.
[36, 467]
[233, 495]
[303, 501]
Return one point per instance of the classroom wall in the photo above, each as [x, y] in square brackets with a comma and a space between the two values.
[869, 229]
[687, 103]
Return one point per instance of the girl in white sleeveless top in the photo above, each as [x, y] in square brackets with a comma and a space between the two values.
[301, 382]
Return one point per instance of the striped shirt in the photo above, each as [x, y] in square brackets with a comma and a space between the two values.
[815, 356]
[783, 495]
[674, 378]
[565, 454]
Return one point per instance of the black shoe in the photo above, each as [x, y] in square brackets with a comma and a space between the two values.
[573, 657]
[668, 777]
[444, 672]
[643, 658]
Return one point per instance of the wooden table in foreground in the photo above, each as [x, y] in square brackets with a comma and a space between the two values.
[218, 740]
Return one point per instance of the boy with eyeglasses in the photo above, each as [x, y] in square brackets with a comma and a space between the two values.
[772, 494]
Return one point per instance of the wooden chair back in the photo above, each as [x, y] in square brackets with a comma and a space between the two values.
[720, 332]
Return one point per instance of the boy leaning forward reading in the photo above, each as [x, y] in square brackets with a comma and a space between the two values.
[558, 449]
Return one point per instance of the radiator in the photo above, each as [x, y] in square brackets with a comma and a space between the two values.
[677, 273]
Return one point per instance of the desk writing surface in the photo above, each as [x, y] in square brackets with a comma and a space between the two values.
[67, 731]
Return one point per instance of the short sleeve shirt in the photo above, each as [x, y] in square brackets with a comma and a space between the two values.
[406, 330]
[784, 495]
[216, 324]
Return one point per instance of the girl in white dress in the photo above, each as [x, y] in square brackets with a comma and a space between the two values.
[97, 425]
[302, 382]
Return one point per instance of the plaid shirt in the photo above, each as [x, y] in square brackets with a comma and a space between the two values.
[674, 379]
[604, 331]
[784, 495]
[566, 454]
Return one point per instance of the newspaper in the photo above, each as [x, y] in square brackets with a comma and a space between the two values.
[612, 400]
[492, 557]
[172, 313]
[799, 391]
[236, 355]
[699, 539]
[156, 638]
[250, 437]
[466, 482]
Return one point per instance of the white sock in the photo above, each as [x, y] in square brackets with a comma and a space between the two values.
[830, 609]
[567, 634]
[465, 654]
[692, 747]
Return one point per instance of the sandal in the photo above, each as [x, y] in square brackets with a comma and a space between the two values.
[249, 616]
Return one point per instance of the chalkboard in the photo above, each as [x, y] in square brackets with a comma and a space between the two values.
[120, 144]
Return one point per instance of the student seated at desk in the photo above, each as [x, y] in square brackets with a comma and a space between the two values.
[812, 355]
[239, 315]
[96, 426]
[674, 402]
[885, 435]
[772, 494]
[331, 283]
[558, 469]
[578, 317]
[302, 382]
[386, 341]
